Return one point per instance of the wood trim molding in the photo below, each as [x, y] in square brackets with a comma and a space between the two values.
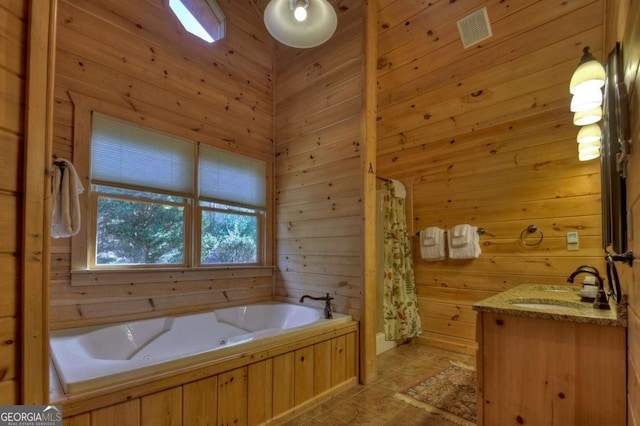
[368, 365]
[37, 155]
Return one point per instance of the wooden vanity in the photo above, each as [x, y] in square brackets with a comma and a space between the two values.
[540, 365]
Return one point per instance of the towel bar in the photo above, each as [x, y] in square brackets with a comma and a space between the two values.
[480, 231]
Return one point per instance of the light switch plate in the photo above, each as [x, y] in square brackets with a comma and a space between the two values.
[573, 241]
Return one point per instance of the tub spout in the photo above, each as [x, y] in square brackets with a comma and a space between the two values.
[328, 312]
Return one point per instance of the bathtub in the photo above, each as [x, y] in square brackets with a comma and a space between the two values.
[96, 356]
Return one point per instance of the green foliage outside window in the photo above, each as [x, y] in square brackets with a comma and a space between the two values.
[228, 238]
[134, 232]
[144, 228]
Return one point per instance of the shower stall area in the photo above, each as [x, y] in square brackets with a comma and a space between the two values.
[382, 345]
[397, 304]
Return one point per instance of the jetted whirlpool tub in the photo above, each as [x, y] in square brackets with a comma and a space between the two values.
[90, 357]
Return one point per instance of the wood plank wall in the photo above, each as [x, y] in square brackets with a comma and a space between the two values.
[13, 45]
[623, 25]
[319, 184]
[136, 56]
[484, 136]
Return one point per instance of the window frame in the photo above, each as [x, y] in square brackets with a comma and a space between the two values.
[207, 13]
[260, 219]
[81, 244]
[96, 195]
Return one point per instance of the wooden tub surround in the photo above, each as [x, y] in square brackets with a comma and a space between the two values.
[262, 384]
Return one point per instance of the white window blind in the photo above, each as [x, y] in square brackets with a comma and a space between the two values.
[229, 177]
[126, 154]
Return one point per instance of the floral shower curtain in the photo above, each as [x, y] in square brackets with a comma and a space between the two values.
[400, 307]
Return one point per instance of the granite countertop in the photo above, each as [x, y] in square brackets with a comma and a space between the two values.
[566, 300]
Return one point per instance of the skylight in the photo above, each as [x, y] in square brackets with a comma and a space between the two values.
[202, 18]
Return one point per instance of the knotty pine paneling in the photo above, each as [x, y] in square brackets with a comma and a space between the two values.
[162, 408]
[498, 54]
[623, 25]
[126, 413]
[484, 136]
[13, 48]
[137, 57]
[260, 386]
[319, 183]
[196, 96]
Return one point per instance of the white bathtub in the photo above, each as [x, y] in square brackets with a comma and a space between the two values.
[91, 357]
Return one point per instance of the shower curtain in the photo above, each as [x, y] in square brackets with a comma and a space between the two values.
[400, 308]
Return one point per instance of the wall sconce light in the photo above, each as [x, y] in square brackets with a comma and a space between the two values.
[589, 142]
[584, 118]
[586, 152]
[589, 75]
[586, 87]
[300, 23]
[586, 100]
[589, 134]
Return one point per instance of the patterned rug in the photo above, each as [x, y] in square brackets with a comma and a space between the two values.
[450, 393]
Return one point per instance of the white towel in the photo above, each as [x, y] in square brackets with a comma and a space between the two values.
[461, 235]
[65, 201]
[430, 236]
[432, 243]
[470, 250]
[399, 189]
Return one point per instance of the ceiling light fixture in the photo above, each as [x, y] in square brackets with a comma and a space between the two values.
[300, 12]
[300, 23]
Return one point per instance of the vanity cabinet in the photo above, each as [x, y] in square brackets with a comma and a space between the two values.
[544, 371]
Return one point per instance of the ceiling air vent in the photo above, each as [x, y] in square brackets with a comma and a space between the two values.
[474, 28]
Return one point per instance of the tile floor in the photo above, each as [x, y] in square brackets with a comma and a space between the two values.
[374, 404]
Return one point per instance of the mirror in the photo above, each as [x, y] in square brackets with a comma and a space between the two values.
[613, 160]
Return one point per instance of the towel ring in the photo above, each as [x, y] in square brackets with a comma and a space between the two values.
[531, 229]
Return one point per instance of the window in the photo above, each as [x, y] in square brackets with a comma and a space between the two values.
[158, 200]
[202, 18]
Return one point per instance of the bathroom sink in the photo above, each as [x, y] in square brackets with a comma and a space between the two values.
[545, 304]
[558, 288]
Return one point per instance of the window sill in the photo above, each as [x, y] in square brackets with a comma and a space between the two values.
[94, 277]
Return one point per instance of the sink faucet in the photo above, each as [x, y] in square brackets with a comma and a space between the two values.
[328, 313]
[601, 301]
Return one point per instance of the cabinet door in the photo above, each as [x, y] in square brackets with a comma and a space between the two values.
[520, 369]
[550, 372]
